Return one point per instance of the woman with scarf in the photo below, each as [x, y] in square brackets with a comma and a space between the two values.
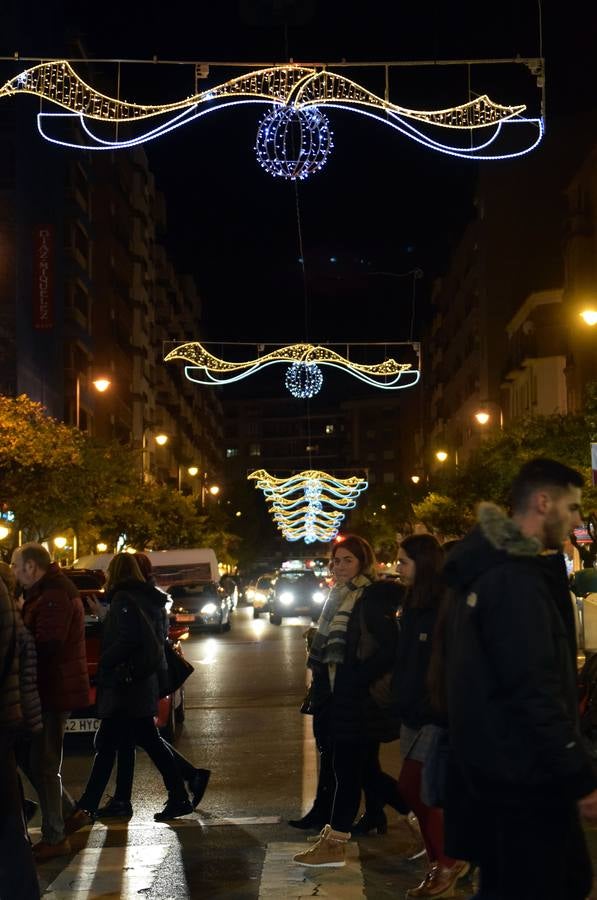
[351, 658]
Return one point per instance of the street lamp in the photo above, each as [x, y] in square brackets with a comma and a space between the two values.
[482, 417]
[214, 490]
[101, 547]
[415, 479]
[441, 456]
[589, 316]
[60, 542]
[192, 472]
[161, 439]
[100, 384]
[4, 532]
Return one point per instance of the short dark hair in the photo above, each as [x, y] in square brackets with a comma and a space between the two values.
[538, 474]
[36, 553]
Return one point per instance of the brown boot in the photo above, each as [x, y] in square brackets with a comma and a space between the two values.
[330, 850]
[440, 881]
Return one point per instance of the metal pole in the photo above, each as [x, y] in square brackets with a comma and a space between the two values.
[77, 401]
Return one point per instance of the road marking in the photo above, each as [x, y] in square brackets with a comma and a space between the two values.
[283, 879]
[179, 823]
[112, 873]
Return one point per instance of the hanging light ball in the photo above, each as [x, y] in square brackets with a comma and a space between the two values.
[293, 143]
[303, 379]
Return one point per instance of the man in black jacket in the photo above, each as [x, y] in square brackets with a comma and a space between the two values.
[520, 775]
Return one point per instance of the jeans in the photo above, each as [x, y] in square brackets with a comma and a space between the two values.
[18, 877]
[42, 766]
[122, 734]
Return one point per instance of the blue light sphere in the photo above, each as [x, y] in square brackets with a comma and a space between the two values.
[303, 380]
[293, 143]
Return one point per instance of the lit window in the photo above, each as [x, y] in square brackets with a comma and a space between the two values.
[254, 449]
[329, 429]
[231, 451]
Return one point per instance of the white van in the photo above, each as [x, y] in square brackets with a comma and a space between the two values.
[171, 568]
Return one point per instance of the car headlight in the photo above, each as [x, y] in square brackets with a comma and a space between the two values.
[209, 609]
[259, 596]
[249, 593]
[318, 597]
[286, 598]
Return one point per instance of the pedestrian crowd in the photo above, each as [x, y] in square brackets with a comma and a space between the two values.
[44, 676]
[471, 661]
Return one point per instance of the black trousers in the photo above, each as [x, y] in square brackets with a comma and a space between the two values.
[356, 767]
[125, 769]
[531, 852]
[124, 733]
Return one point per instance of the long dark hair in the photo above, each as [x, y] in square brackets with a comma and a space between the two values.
[428, 557]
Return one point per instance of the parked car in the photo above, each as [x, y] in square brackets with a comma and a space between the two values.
[208, 606]
[171, 709]
[296, 593]
[260, 594]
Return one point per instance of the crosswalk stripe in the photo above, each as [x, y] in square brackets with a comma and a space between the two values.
[112, 873]
[283, 879]
[178, 823]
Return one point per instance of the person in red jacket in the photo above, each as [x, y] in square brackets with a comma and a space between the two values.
[53, 613]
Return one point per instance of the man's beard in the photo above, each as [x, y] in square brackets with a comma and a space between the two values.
[553, 536]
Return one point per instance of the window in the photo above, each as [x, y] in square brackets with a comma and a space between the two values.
[329, 429]
[254, 449]
[312, 448]
[388, 477]
[80, 300]
[81, 241]
[231, 451]
[389, 454]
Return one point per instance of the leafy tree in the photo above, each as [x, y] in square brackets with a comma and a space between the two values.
[443, 515]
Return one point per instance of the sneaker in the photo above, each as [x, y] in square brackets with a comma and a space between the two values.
[329, 851]
[115, 809]
[197, 785]
[173, 809]
[78, 819]
[42, 851]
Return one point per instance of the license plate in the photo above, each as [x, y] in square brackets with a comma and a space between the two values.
[184, 618]
[82, 725]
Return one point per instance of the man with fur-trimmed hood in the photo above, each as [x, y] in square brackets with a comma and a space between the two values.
[520, 775]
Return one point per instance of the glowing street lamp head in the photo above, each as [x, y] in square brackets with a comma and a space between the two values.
[60, 543]
[101, 547]
[441, 456]
[214, 490]
[161, 439]
[102, 384]
[4, 532]
[589, 316]
[193, 471]
[415, 479]
[482, 417]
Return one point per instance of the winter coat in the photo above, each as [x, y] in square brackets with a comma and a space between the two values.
[353, 714]
[30, 702]
[409, 680]
[10, 701]
[511, 668]
[123, 642]
[53, 613]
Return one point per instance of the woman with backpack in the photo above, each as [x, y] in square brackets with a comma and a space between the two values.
[128, 678]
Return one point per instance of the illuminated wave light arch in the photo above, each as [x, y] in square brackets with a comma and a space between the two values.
[298, 503]
[296, 94]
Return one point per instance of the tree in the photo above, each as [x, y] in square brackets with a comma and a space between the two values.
[443, 515]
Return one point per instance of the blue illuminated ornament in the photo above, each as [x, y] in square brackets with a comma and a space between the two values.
[303, 380]
[293, 143]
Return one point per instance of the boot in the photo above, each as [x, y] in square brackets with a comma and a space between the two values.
[329, 851]
[440, 881]
[371, 821]
[79, 818]
[313, 819]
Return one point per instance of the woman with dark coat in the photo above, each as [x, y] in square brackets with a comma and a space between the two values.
[131, 658]
[351, 657]
[420, 560]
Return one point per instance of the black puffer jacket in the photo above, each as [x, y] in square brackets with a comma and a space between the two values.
[122, 641]
[352, 712]
[511, 679]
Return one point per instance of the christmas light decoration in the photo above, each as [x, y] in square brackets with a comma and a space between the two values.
[297, 503]
[293, 143]
[303, 379]
[209, 369]
[294, 139]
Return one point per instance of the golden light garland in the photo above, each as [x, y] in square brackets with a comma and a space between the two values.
[295, 93]
[385, 375]
[297, 502]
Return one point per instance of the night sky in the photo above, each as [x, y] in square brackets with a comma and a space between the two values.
[381, 204]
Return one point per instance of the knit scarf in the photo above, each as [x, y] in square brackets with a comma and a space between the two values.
[329, 643]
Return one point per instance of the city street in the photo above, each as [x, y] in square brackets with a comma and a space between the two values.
[242, 721]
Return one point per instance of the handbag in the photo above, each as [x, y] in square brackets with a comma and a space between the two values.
[178, 670]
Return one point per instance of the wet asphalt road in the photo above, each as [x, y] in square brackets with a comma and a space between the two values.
[242, 722]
